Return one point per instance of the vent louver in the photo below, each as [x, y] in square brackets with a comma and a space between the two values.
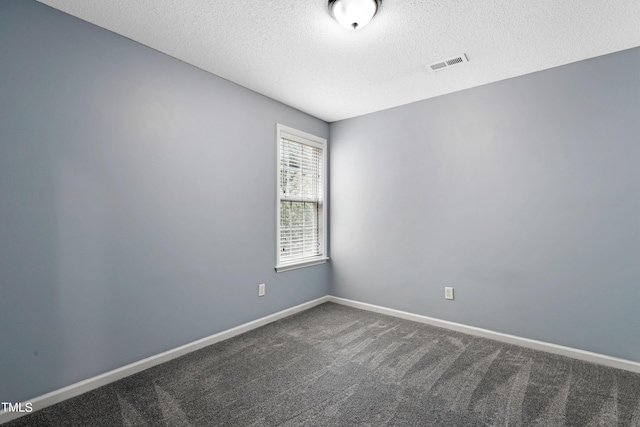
[449, 62]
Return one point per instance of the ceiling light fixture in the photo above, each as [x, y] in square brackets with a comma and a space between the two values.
[353, 14]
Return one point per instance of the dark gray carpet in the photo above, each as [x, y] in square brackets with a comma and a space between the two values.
[338, 366]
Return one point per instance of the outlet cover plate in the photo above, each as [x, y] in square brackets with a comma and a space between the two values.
[448, 293]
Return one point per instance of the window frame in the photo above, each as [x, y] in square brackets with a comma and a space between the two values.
[316, 142]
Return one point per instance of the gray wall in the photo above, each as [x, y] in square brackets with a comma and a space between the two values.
[137, 202]
[522, 194]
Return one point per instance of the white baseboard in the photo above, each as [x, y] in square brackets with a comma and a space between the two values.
[575, 353]
[81, 387]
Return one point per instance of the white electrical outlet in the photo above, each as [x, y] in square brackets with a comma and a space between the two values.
[448, 293]
[261, 289]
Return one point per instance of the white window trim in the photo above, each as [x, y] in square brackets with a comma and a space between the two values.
[314, 141]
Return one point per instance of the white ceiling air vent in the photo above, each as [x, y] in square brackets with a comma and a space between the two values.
[447, 63]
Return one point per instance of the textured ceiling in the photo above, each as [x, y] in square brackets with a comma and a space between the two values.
[295, 52]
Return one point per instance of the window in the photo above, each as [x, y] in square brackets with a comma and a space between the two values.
[301, 202]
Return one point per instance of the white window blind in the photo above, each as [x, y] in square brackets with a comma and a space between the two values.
[301, 200]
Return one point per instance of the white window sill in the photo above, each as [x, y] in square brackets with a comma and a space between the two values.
[301, 264]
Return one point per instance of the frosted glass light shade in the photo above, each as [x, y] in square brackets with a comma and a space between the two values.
[353, 14]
